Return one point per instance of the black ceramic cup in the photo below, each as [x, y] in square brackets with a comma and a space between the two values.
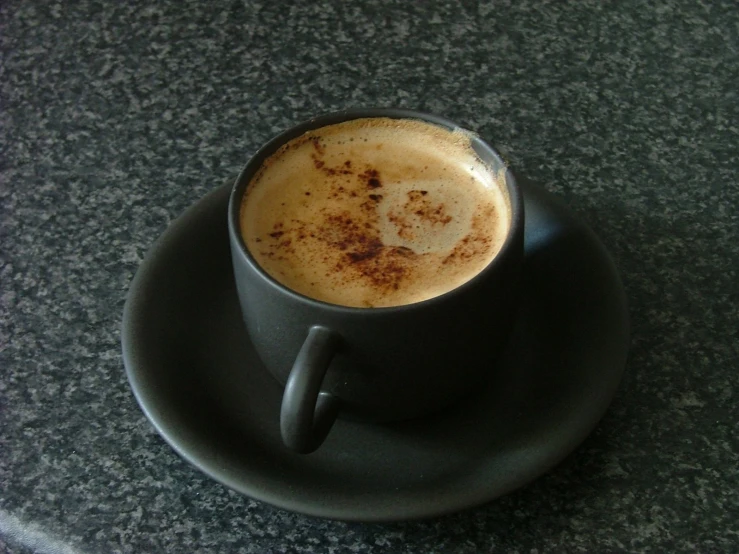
[375, 364]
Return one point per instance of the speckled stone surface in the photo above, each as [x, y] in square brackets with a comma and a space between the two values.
[116, 116]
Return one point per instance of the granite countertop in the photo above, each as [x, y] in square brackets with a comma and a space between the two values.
[117, 116]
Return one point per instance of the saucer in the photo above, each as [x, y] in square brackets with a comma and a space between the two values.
[199, 381]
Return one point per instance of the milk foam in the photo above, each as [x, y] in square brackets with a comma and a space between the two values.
[375, 212]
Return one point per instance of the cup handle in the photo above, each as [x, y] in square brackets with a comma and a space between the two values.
[307, 412]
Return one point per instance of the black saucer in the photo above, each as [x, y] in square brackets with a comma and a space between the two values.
[199, 381]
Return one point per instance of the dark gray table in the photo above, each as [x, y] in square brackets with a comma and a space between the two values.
[116, 116]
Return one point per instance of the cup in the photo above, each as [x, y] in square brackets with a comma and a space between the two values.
[375, 364]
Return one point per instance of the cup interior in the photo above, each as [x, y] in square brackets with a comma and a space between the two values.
[486, 154]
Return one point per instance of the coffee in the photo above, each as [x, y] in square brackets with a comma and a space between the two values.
[375, 212]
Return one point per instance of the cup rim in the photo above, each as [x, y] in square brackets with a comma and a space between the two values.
[255, 162]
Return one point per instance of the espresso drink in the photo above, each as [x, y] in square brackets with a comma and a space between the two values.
[375, 212]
